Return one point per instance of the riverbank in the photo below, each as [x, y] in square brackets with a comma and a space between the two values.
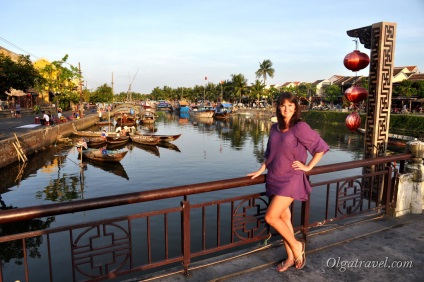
[34, 137]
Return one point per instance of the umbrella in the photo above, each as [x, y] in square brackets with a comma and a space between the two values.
[14, 92]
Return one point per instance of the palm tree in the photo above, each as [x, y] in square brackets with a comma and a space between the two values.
[239, 84]
[257, 89]
[265, 69]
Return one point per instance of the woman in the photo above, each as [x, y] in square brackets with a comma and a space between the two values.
[285, 159]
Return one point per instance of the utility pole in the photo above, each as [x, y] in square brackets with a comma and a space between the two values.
[80, 90]
[80, 82]
[113, 95]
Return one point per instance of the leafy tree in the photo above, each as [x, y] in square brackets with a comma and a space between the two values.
[20, 75]
[239, 84]
[419, 85]
[405, 88]
[61, 81]
[257, 90]
[103, 94]
[332, 93]
[265, 69]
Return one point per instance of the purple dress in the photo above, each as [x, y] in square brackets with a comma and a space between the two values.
[282, 150]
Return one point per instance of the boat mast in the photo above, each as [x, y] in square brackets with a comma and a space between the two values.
[129, 94]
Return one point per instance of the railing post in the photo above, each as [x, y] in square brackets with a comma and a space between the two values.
[388, 189]
[304, 221]
[185, 230]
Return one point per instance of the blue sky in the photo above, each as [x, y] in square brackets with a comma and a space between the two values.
[177, 43]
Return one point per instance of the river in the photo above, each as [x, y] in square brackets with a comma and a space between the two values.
[207, 150]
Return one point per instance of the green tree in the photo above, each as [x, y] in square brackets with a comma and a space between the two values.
[20, 75]
[404, 88]
[332, 93]
[265, 69]
[257, 90]
[103, 94]
[239, 84]
[62, 81]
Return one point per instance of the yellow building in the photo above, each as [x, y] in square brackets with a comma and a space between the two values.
[10, 54]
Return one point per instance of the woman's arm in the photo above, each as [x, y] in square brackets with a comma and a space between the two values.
[297, 165]
[258, 172]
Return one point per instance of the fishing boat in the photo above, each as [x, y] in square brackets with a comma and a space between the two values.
[148, 117]
[182, 107]
[117, 140]
[163, 138]
[126, 120]
[164, 106]
[202, 111]
[102, 154]
[144, 139]
[223, 111]
[87, 133]
[96, 142]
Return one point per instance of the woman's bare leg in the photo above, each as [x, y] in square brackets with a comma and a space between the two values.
[289, 262]
[273, 217]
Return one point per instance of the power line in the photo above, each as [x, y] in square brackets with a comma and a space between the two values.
[37, 57]
[17, 47]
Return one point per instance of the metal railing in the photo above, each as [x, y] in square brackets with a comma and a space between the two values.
[153, 237]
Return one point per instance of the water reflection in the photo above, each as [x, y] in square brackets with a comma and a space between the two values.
[238, 142]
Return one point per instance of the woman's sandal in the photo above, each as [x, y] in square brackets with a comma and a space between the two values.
[284, 266]
[301, 256]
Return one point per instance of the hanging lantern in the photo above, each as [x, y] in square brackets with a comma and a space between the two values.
[353, 121]
[356, 94]
[356, 60]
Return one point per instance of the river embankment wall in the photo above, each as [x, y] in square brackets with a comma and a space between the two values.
[37, 140]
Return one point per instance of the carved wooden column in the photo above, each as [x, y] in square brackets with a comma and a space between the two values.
[381, 39]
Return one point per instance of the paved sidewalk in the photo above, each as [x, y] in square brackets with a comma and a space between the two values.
[9, 126]
[370, 250]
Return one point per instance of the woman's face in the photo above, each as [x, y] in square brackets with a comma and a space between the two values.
[287, 109]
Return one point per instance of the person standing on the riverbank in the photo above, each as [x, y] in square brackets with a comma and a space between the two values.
[18, 110]
[285, 159]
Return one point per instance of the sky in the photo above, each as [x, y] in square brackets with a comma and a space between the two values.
[177, 43]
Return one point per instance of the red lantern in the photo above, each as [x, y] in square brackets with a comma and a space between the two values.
[356, 94]
[353, 121]
[356, 61]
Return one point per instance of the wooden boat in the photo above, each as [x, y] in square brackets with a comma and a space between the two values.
[87, 133]
[126, 120]
[105, 122]
[163, 138]
[103, 155]
[202, 111]
[223, 111]
[148, 117]
[182, 107]
[117, 140]
[95, 142]
[144, 139]
[84, 133]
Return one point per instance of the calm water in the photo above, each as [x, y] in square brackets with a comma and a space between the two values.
[207, 150]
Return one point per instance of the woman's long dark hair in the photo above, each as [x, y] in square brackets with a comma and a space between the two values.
[296, 116]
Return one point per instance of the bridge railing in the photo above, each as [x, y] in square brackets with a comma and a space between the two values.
[145, 231]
